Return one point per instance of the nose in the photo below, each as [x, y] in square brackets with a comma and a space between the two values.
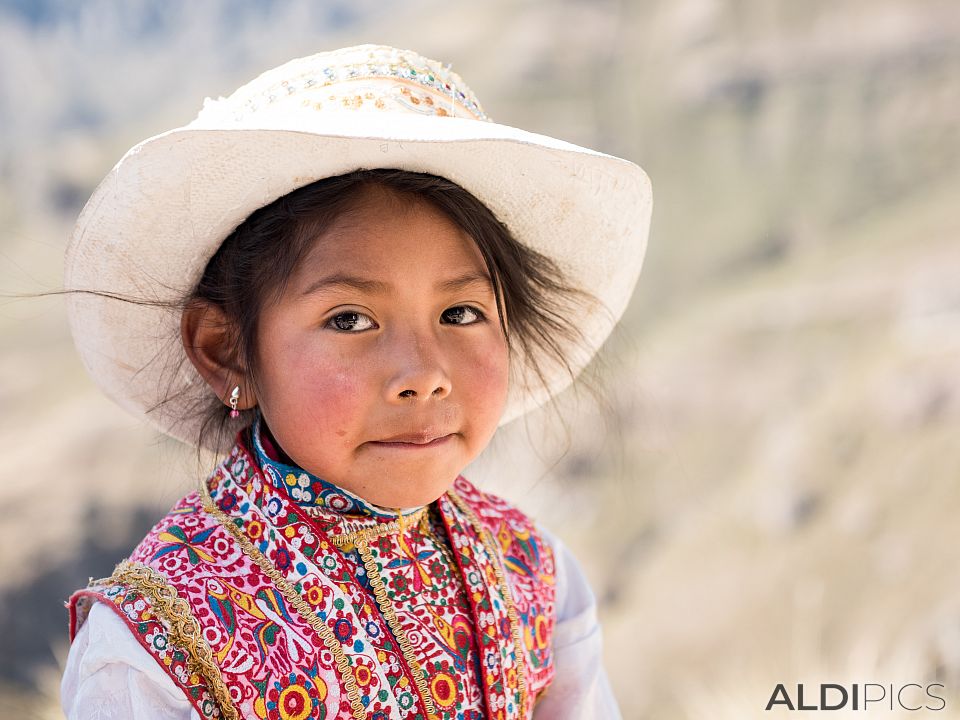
[418, 370]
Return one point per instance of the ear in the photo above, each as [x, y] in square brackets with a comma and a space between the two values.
[210, 341]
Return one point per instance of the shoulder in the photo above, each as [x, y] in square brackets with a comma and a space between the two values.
[528, 567]
[525, 542]
[518, 536]
[490, 509]
[108, 674]
[175, 530]
[576, 602]
[580, 687]
[149, 602]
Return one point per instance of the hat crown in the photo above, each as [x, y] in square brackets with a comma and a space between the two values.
[362, 78]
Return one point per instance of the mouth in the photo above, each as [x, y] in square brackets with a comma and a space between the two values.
[413, 441]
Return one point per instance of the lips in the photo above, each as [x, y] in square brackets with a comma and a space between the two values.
[418, 439]
[414, 438]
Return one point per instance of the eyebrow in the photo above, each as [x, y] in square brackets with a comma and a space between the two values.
[466, 280]
[347, 282]
[353, 282]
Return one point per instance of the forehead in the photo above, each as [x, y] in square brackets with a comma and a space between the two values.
[388, 233]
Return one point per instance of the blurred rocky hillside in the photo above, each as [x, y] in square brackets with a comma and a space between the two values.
[765, 492]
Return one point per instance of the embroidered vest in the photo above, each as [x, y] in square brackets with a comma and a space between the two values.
[257, 611]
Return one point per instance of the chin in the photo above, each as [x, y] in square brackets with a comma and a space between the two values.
[404, 492]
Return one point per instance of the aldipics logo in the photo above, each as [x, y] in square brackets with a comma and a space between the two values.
[859, 696]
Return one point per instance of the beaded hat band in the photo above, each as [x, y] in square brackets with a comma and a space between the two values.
[365, 78]
[151, 226]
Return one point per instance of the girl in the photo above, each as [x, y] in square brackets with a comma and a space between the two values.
[343, 278]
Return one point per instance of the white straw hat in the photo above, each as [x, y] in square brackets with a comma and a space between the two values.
[150, 227]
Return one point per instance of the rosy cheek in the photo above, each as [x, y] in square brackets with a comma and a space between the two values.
[488, 377]
[335, 391]
[307, 378]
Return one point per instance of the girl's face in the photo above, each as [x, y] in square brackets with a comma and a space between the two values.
[383, 366]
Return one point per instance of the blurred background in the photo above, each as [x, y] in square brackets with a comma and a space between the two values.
[766, 491]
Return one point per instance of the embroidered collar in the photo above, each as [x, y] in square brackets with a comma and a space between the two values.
[307, 490]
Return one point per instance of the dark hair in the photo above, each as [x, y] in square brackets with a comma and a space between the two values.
[253, 264]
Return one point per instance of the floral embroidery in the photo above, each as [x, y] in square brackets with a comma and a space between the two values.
[297, 697]
[440, 575]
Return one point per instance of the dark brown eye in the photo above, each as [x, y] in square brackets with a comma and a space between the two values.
[461, 315]
[350, 322]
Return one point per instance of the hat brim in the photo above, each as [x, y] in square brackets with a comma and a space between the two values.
[150, 227]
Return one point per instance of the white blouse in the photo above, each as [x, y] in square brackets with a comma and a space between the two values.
[110, 676]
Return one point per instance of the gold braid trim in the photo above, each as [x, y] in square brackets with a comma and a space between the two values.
[492, 550]
[370, 534]
[183, 627]
[390, 614]
[293, 597]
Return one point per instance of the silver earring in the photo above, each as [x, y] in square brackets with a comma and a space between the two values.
[234, 399]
